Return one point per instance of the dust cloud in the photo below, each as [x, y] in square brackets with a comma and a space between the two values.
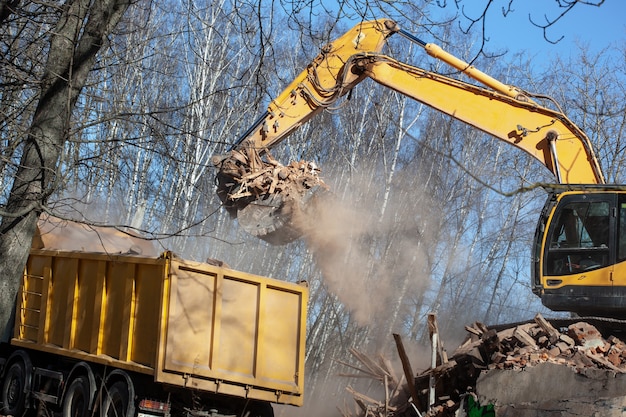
[56, 234]
[376, 262]
[371, 261]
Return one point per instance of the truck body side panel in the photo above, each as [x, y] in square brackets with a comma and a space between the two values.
[187, 324]
[96, 307]
[249, 341]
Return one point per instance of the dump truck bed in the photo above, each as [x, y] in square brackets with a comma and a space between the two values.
[186, 323]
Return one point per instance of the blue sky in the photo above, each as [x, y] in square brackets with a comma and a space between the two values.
[595, 27]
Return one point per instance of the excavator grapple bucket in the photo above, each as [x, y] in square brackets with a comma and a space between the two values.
[279, 219]
[271, 201]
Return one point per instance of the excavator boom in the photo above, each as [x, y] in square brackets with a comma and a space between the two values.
[318, 86]
[579, 259]
[266, 196]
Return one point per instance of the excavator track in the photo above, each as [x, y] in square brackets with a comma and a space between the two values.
[605, 325]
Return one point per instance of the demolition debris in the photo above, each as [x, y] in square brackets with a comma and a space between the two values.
[244, 176]
[564, 365]
[270, 200]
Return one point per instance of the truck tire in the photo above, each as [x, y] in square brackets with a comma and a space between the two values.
[13, 387]
[116, 400]
[76, 400]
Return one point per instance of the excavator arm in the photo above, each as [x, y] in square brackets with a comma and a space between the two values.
[264, 195]
[546, 134]
[270, 199]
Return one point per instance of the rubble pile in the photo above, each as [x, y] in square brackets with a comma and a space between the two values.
[579, 346]
[275, 178]
[566, 366]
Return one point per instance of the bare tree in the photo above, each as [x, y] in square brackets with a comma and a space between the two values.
[78, 30]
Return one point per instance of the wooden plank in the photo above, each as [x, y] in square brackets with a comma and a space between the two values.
[408, 370]
[553, 334]
[374, 369]
[434, 331]
[521, 335]
[603, 361]
[473, 330]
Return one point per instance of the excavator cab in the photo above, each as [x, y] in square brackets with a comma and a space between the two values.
[580, 251]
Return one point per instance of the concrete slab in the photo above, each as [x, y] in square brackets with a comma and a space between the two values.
[550, 389]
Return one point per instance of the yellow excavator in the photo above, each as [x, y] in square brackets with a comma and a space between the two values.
[579, 250]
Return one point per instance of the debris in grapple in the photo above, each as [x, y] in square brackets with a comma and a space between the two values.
[267, 197]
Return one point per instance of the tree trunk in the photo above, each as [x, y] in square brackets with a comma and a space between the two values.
[79, 34]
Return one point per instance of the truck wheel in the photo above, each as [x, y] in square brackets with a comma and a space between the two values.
[13, 385]
[115, 401]
[76, 400]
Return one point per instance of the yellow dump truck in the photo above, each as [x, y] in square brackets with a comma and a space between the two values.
[131, 335]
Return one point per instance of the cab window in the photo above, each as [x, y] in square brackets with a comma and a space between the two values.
[579, 239]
